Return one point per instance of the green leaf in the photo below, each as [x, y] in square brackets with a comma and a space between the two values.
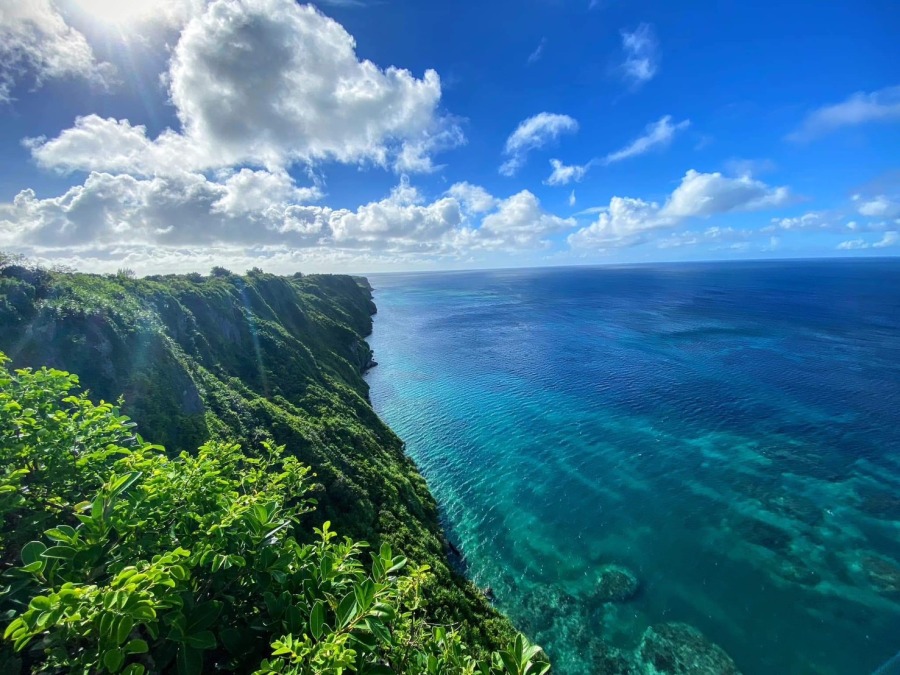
[40, 602]
[124, 629]
[137, 647]
[202, 640]
[364, 593]
[113, 660]
[60, 552]
[378, 629]
[510, 662]
[317, 619]
[396, 564]
[122, 483]
[189, 661]
[203, 616]
[31, 552]
[346, 610]
[63, 533]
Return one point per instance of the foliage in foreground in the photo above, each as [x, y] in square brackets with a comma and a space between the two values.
[252, 359]
[133, 561]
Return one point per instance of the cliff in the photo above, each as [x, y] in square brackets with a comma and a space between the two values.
[252, 359]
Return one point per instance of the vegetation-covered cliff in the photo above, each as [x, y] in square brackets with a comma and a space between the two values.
[257, 360]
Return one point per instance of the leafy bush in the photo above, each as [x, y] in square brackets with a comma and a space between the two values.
[191, 562]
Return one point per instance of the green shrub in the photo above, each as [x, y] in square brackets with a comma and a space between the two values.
[192, 562]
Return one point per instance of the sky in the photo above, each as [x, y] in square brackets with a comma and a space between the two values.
[391, 135]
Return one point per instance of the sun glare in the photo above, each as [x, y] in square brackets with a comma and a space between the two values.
[118, 12]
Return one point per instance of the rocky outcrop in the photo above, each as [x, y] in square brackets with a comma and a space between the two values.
[616, 584]
[680, 649]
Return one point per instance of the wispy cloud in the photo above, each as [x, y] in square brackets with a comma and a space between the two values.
[563, 174]
[888, 240]
[642, 56]
[531, 134]
[860, 108]
[656, 135]
[536, 55]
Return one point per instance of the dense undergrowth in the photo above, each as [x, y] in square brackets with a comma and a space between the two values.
[133, 561]
[258, 360]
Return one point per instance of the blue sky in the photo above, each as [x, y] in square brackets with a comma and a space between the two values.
[174, 135]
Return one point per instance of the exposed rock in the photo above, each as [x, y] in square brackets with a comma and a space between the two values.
[680, 649]
[616, 584]
[609, 660]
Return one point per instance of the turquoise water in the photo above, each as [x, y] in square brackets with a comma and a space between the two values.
[726, 431]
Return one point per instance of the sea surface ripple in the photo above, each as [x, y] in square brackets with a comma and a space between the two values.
[727, 431]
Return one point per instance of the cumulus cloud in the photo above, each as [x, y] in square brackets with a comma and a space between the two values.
[706, 194]
[520, 223]
[269, 83]
[266, 209]
[656, 135]
[531, 134]
[36, 42]
[473, 198]
[641, 48]
[626, 220]
[880, 206]
[564, 174]
[860, 108]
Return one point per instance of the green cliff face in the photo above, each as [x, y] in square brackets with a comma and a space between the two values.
[253, 359]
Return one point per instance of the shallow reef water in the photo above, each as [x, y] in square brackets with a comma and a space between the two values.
[725, 433]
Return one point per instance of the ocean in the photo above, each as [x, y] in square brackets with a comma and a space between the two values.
[727, 432]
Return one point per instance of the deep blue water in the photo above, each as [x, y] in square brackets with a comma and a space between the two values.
[728, 431]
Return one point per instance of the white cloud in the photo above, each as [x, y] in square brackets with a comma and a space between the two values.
[536, 55]
[99, 144]
[880, 206]
[719, 237]
[564, 174]
[656, 135]
[531, 134]
[889, 240]
[641, 55]
[808, 221]
[705, 194]
[572, 198]
[626, 220]
[265, 209]
[473, 198]
[36, 42]
[860, 108]
[621, 224]
[269, 83]
[520, 223]
[248, 191]
[852, 245]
